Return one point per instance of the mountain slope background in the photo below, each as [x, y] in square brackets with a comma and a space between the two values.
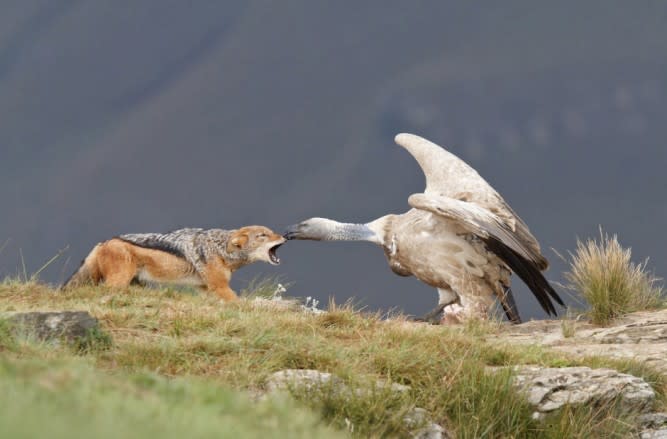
[162, 114]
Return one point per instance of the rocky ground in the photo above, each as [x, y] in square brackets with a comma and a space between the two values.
[120, 331]
[640, 336]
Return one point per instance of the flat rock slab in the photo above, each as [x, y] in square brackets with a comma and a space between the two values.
[71, 326]
[640, 336]
[550, 389]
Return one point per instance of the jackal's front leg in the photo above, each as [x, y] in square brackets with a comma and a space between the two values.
[226, 294]
[217, 277]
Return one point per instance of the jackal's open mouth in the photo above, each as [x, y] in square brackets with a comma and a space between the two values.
[275, 260]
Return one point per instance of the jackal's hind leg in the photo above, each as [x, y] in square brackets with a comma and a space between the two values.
[119, 279]
[116, 264]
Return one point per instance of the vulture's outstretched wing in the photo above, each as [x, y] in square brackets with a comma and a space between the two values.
[449, 176]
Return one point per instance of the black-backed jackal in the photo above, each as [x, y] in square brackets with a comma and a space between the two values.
[198, 257]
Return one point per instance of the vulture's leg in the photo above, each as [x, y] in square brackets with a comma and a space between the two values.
[446, 297]
[509, 305]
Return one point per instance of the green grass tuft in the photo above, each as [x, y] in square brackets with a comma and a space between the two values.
[367, 411]
[605, 421]
[94, 340]
[604, 275]
[7, 339]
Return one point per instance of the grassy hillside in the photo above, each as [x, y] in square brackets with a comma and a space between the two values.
[185, 364]
[70, 398]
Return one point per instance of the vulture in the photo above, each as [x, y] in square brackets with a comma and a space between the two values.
[459, 236]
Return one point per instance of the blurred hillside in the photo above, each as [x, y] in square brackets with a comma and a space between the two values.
[149, 116]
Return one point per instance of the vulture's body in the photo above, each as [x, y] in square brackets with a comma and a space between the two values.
[460, 237]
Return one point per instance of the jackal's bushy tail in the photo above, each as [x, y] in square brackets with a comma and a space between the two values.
[86, 274]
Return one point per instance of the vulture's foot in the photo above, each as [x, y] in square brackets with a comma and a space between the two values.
[433, 317]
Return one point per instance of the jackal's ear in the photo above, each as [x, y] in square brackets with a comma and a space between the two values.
[238, 241]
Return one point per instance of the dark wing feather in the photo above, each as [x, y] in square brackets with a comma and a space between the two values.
[529, 274]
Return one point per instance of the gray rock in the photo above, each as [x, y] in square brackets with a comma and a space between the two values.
[549, 389]
[395, 387]
[639, 336]
[309, 378]
[69, 326]
[418, 420]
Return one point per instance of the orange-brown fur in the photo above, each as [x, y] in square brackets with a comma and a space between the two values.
[116, 262]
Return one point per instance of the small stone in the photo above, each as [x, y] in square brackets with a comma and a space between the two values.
[308, 378]
[428, 430]
[395, 387]
[415, 417]
[431, 431]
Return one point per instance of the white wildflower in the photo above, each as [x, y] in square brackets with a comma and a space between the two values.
[277, 294]
[349, 425]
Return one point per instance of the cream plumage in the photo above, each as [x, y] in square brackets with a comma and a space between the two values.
[460, 237]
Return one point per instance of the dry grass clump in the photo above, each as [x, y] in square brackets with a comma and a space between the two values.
[605, 276]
